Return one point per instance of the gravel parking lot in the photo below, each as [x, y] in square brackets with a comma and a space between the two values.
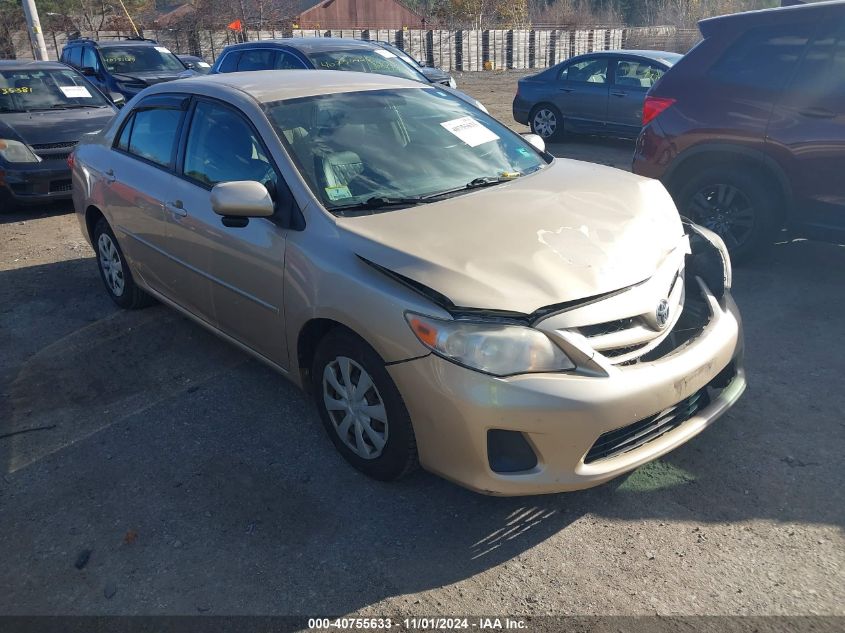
[196, 480]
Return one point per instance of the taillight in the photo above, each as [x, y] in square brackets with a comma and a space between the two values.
[654, 106]
[70, 161]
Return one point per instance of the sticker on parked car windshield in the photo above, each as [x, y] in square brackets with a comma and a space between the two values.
[161, 49]
[338, 193]
[16, 91]
[470, 131]
[384, 53]
[75, 92]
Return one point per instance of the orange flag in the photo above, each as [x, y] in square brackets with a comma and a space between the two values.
[236, 26]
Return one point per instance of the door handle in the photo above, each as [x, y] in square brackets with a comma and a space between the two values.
[566, 89]
[109, 173]
[617, 93]
[818, 113]
[176, 208]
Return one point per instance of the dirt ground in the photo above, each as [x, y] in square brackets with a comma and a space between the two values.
[198, 481]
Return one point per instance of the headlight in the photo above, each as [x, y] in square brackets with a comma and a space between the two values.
[501, 350]
[719, 245]
[452, 83]
[17, 152]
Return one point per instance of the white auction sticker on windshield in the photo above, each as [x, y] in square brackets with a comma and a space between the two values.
[384, 53]
[75, 92]
[470, 131]
[161, 49]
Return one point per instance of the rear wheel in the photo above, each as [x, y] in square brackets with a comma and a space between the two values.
[114, 270]
[361, 408]
[546, 122]
[735, 204]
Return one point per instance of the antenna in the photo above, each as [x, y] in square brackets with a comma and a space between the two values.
[129, 17]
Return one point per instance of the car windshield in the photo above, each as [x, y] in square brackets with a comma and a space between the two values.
[363, 60]
[140, 59]
[28, 90]
[375, 150]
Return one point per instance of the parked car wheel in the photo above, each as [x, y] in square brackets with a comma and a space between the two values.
[114, 270]
[736, 205]
[546, 122]
[361, 408]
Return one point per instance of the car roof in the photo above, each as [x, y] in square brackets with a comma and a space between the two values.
[28, 64]
[309, 44]
[115, 42]
[749, 19]
[277, 85]
[655, 55]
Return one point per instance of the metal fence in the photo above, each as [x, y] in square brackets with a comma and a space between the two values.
[453, 50]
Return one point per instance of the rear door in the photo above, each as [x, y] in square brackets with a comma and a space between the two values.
[631, 80]
[583, 92]
[244, 265]
[137, 181]
[807, 128]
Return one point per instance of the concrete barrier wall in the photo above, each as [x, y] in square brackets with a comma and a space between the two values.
[461, 50]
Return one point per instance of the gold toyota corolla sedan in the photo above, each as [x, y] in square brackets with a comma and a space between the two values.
[449, 293]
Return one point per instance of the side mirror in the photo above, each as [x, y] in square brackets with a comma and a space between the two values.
[239, 200]
[117, 99]
[536, 141]
[88, 71]
[189, 64]
[421, 62]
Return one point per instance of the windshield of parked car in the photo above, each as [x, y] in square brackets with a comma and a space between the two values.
[28, 90]
[363, 151]
[363, 60]
[140, 59]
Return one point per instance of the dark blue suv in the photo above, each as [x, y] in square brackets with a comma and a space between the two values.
[323, 53]
[125, 66]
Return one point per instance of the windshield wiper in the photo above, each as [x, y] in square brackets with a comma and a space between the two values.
[378, 202]
[475, 183]
[71, 106]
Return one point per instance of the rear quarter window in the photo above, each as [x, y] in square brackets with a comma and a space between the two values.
[764, 57]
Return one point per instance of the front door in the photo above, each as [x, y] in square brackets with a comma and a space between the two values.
[582, 94]
[807, 127]
[244, 265]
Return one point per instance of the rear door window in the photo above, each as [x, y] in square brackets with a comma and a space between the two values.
[286, 61]
[257, 59]
[152, 130]
[230, 62]
[764, 57]
[75, 56]
[821, 73]
[89, 58]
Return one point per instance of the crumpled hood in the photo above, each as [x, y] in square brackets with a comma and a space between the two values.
[54, 126]
[570, 231]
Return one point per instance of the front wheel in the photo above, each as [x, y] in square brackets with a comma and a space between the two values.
[361, 408]
[546, 122]
[735, 204]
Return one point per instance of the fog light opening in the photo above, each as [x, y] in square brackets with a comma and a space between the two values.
[509, 452]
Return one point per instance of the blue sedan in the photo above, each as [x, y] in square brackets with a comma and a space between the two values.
[598, 93]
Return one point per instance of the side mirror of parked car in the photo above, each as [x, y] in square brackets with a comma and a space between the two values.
[536, 140]
[239, 200]
[117, 99]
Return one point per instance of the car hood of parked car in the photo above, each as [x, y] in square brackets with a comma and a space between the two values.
[150, 78]
[570, 231]
[54, 126]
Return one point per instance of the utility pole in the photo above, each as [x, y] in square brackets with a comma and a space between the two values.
[34, 28]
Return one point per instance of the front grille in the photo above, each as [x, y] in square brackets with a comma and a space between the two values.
[51, 156]
[634, 435]
[57, 186]
[42, 146]
[610, 327]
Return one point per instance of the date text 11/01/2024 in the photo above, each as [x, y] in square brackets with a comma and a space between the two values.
[422, 623]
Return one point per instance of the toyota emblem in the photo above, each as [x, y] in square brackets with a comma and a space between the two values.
[661, 315]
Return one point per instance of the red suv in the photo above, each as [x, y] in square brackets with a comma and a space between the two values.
[747, 131]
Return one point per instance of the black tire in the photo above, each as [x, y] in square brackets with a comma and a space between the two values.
[551, 110]
[128, 296]
[737, 204]
[398, 456]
